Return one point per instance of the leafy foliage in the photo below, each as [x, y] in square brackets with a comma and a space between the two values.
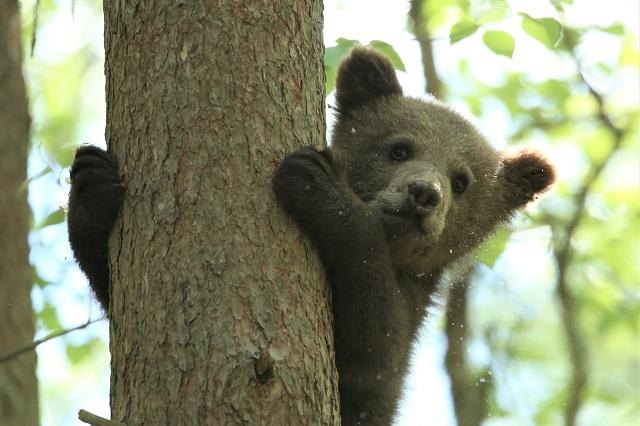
[493, 248]
[60, 73]
[546, 30]
[462, 29]
[561, 112]
[53, 218]
[500, 42]
[83, 352]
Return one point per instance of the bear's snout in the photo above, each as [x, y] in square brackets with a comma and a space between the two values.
[423, 197]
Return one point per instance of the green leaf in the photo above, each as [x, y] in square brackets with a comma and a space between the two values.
[559, 4]
[333, 55]
[37, 279]
[615, 29]
[497, 12]
[546, 30]
[49, 317]
[499, 42]
[630, 54]
[475, 105]
[556, 91]
[461, 30]
[25, 184]
[388, 50]
[53, 218]
[78, 353]
[330, 79]
[65, 154]
[493, 247]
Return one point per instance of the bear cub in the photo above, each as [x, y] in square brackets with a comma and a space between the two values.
[407, 189]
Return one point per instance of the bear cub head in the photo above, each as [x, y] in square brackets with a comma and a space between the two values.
[436, 184]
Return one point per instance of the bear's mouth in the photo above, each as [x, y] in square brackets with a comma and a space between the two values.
[405, 217]
[400, 213]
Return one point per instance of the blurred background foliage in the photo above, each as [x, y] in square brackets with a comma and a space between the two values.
[546, 328]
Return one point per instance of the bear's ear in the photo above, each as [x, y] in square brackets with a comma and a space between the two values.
[365, 75]
[524, 175]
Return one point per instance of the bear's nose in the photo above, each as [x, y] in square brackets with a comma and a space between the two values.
[427, 195]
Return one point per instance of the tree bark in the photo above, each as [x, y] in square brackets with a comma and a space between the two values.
[18, 386]
[220, 312]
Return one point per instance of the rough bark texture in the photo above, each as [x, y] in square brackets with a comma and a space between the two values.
[18, 389]
[220, 311]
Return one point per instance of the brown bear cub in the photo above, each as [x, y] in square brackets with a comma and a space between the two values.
[407, 189]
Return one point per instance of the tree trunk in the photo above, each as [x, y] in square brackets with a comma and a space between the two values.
[470, 394]
[18, 387]
[220, 312]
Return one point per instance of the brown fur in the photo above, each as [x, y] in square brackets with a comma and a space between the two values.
[387, 229]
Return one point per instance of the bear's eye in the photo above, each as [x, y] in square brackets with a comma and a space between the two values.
[400, 152]
[460, 183]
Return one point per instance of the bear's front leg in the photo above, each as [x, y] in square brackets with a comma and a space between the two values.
[95, 201]
[371, 323]
[308, 186]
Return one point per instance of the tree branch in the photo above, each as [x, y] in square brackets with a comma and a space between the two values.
[469, 393]
[93, 420]
[433, 83]
[564, 254]
[36, 11]
[8, 357]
